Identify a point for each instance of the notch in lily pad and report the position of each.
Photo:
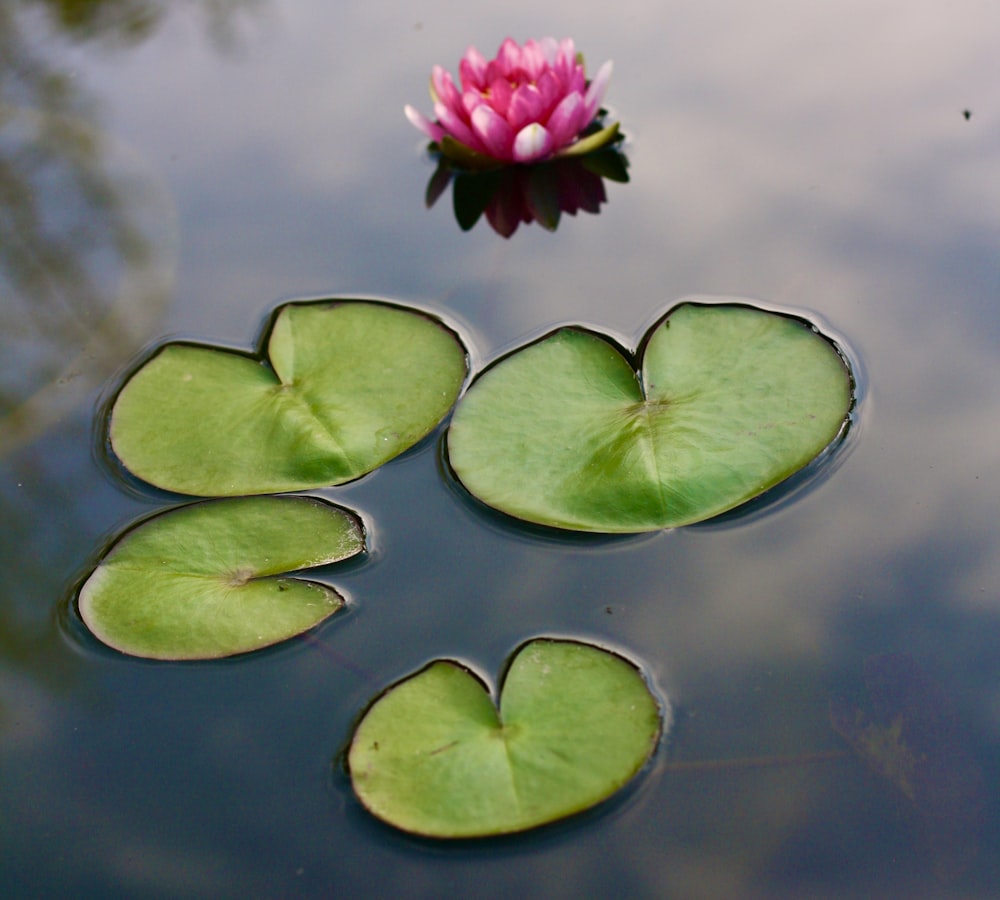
(435, 757)
(729, 400)
(344, 386)
(209, 579)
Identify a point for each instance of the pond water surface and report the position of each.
(178, 170)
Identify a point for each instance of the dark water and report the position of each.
(178, 171)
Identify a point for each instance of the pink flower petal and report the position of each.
(533, 142)
(418, 119)
(567, 119)
(500, 95)
(551, 90)
(454, 126)
(509, 58)
(527, 105)
(472, 69)
(470, 100)
(443, 88)
(492, 73)
(565, 62)
(550, 47)
(533, 60)
(493, 132)
(567, 51)
(595, 93)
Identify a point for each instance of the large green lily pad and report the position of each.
(208, 580)
(432, 756)
(729, 401)
(347, 386)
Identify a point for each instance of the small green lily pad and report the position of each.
(208, 580)
(432, 756)
(348, 386)
(729, 401)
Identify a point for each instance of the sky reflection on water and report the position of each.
(813, 158)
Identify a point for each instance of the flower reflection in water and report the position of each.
(539, 193)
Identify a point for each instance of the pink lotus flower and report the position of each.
(527, 105)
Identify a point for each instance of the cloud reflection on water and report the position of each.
(813, 157)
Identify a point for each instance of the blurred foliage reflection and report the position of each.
(87, 241)
(129, 22)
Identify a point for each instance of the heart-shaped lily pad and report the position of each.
(433, 757)
(207, 580)
(730, 400)
(348, 386)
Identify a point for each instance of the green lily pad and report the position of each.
(348, 386)
(207, 580)
(432, 756)
(729, 401)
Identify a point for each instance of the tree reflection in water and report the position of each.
(87, 237)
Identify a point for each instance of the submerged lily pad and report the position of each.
(208, 580)
(432, 756)
(912, 736)
(729, 401)
(348, 386)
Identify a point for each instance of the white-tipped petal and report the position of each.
(532, 143)
(595, 90)
(419, 120)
